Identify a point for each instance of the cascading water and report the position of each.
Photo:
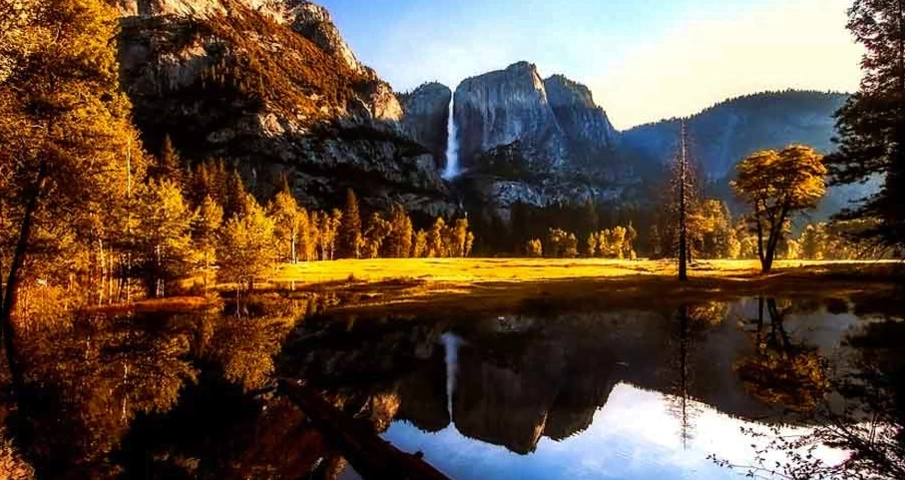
(451, 343)
(452, 143)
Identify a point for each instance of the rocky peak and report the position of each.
(237, 80)
(425, 117)
(505, 106)
(199, 8)
(564, 92)
(585, 123)
(314, 22)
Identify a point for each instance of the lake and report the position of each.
(780, 388)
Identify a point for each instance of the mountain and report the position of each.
(271, 87)
(523, 138)
(722, 135)
(426, 118)
(729, 131)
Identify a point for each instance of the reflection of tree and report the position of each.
(101, 391)
(865, 419)
(781, 372)
(690, 323)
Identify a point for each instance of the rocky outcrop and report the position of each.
(502, 107)
(526, 139)
(247, 88)
(586, 126)
(425, 118)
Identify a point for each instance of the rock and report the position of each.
(314, 22)
(272, 102)
(586, 125)
(499, 108)
(426, 117)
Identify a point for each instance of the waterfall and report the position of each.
(451, 343)
(452, 143)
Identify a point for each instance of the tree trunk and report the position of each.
(15, 277)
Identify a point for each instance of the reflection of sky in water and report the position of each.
(633, 437)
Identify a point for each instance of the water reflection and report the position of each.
(617, 394)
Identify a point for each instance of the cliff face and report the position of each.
(425, 118)
(586, 126)
(499, 108)
(526, 139)
(271, 87)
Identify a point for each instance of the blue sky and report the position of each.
(643, 59)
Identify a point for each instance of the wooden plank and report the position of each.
(371, 456)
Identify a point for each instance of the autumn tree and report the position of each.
(561, 244)
(65, 134)
(350, 239)
(375, 234)
(284, 210)
(163, 240)
(168, 166)
(419, 245)
(534, 248)
(871, 124)
(206, 224)
(777, 185)
(399, 242)
(247, 250)
(436, 247)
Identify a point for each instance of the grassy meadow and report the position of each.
(476, 284)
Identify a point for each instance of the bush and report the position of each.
(534, 248)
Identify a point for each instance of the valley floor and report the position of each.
(462, 286)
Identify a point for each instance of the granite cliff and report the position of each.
(271, 87)
(425, 118)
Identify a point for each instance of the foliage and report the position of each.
(350, 239)
(247, 250)
(777, 185)
(561, 244)
(871, 124)
(535, 249)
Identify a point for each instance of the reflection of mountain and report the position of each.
(523, 378)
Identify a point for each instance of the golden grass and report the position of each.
(463, 286)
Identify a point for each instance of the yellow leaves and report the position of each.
(793, 178)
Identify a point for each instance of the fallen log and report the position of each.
(370, 456)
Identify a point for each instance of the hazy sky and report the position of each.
(643, 59)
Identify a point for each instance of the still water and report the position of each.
(804, 388)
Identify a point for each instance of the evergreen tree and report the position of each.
(399, 242)
(350, 236)
(307, 236)
(235, 197)
(871, 125)
(168, 166)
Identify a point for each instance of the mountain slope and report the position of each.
(726, 133)
(729, 131)
(270, 86)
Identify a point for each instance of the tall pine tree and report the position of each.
(871, 125)
(350, 231)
